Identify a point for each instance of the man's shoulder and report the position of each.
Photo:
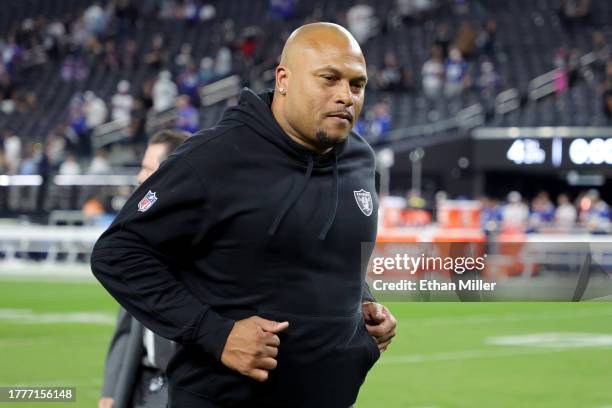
(206, 142)
(358, 146)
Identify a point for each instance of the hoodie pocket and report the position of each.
(322, 361)
(203, 376)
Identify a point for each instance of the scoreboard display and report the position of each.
(537, 153)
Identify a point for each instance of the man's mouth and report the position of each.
(341, 115)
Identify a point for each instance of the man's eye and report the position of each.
(329, 78)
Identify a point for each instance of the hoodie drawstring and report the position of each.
(292, 199)
(332, 215)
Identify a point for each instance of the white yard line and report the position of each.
(472, 355)
(508, 317)
(27, 316)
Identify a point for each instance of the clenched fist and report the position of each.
(252, 346)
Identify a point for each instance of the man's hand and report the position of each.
(252, 347)
(380, 323)
(106, 402)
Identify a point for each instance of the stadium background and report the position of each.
(489, 118)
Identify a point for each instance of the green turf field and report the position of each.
(443, 355)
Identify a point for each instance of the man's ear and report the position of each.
(282, 79)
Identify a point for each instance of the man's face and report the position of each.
(153, 157)
(325, 92)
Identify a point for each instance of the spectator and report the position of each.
(207, 71)
(515, 213)
(443, 39)
(381, 121)
(95, 110)
(70, 166)
(12, 151)
(284, 9)
(157, 56)
(187, 115)
(138, 126)
(466, 39)
(362, 22)
(375, 124)
(146, 93)
(188, 11)
(122, 103)
(56, 148)
(29, 163)
(415, 9)
(565, 215)
(207, 12)
(184, 58)
(99, 164)
(491, 214)
(432, 73)
(486, 38)
(488, 81)
(390, 76)
(542, 210)
(249, 43)
(78, 123)
(189, 83)
(223, 62)
(164, 92)
(94, 19)
(456, 74)
(601, 48)
(594, 212)
(93, 208)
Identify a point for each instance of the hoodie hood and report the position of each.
(253, 110)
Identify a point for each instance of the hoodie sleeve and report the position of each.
(136, 258)
(366, 294)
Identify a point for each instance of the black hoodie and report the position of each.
(242, 221)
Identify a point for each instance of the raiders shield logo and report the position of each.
(147, 201)
(364, 201)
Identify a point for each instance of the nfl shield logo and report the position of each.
(148, 200)
(364, 201)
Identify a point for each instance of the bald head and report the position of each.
(317, 36)
(320, 84)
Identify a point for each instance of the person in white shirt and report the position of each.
(95, 110)
(565, 215)
(122, 103)
(515, 214)
(164, 92)
(70, 166)
(433, 74)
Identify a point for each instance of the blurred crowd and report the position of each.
(462, 59)
(587, 211)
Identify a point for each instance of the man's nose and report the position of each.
(344, 95)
